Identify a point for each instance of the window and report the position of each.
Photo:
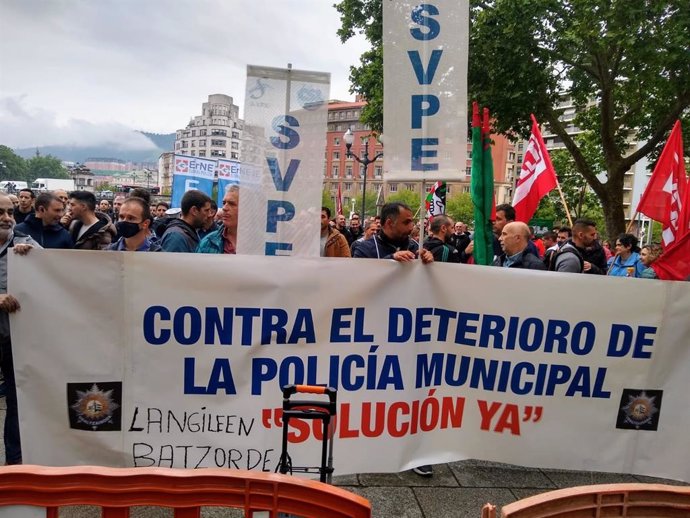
(202, 132)
(335, 171)
(235, 155)
(217, 152)
(348, 171)
(392, 187)
(202, 152)
(378, 171)
(347, 186)
(218, 142)
(519, 158)
(409, 186)
(193, 143)
(235, 145)
(202, 143)
(177, 145)
(235, 134)
(362, 170)
(336, 141)
(468, 172)
(336, 155)
(219, 132)
(520, 146)
(427, 188)
(193, 153)
(193, 133)
(184, 143)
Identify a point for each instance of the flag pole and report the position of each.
(629, 227)
(565, 205)
(422, 214)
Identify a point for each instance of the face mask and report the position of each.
(127, 229)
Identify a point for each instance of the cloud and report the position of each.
(94, 68)
(22, 126)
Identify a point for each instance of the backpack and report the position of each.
(567, 248)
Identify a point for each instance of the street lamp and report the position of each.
(349, 138)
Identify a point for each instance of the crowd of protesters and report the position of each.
(76, 221)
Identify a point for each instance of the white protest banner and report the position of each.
(181, 364)
(191, 172)
(425, 89)
(285, 135)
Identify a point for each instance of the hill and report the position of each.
(163, 142)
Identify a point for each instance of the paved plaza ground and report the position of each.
(457, 490)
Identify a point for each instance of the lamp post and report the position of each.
(349, 138)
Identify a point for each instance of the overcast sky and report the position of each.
(87, 72)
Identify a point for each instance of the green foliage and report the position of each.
(327, 201)
(582, 202)
(459, 207)
(410, 198)
(366, 17)
(371, 209)
(629, 57)
(13, 166)
(45, 167)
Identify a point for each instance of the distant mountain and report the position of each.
(163, 143)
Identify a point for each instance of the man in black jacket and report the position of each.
(393, 240)
(181, 233)
(44, 226)
(514, 239)
(438, 243)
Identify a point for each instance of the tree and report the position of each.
(371, 209)
(582, 202)
(410, 198)
(460, 208)
(624, 64)
(45, 167)
(12, 166)
(327, 201)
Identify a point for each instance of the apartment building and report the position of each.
(216, 133)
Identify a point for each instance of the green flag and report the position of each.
(482, 187)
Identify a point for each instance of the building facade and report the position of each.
(216, 133)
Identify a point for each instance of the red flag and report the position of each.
(339, 202)
(663, 198)
(674, 263)
(537, 176)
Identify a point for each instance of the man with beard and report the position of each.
(44, 225)
(571, 256)
(393, 240)
(89, 229)
(181, 233)
(438, 243)
(460, 238)
(21, 244)
(355, 228)
(333, 243)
